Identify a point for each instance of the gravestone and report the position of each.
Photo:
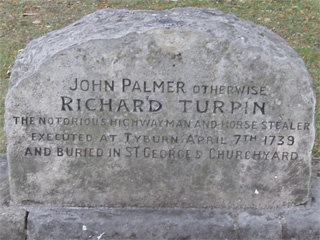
(183, 108)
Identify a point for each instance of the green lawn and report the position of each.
(298, 21)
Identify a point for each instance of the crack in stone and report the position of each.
(26, 225)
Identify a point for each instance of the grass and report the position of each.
(297, 21)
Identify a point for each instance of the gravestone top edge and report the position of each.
(105, 24)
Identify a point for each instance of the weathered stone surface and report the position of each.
(129, 224)
(304, 222)
(300, 222)
(259, 226)
(4, 181)
(179, 108)
(12, 223)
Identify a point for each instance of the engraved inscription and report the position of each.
(216, 145)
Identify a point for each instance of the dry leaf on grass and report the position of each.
(37, 21)
(30, 14)
(267, 20)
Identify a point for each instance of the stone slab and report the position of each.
(304, 223)
(64, 223)
(12, 223)
(188, 108)
(4, 181)
(130, 224)
(47, 224)
(12, 220)
(255, 225)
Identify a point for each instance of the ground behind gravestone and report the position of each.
(297, 21)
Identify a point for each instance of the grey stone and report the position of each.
(186, 108)
(315, 185)
(4, 181)
(259, 226)
(304, 222)
(12, 220)
(129, 224)
(12, 223)
(64, 223)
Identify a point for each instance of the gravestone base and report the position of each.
(12, 219)
(12, 223)
(47, 223)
